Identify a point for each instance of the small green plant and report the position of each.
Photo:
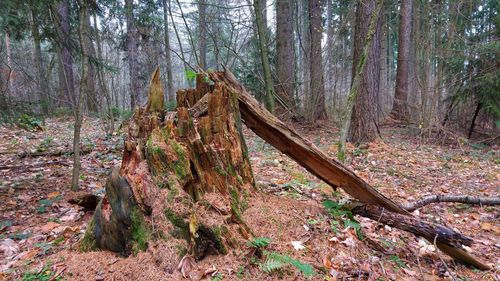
(339, 211)
(40, 275)
(276, 261)
(29, 122)
(259, 242)
(399, 263)
(43, 205)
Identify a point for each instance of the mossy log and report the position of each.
(181, 177)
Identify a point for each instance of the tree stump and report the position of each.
(181, 177)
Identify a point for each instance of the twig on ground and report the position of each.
(467, 199)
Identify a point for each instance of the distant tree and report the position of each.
(363, 120)
(260, 10)
(400, 107)
(202, 28)
(132, 54)
(285, 54)
(317, 83)
(168, 57)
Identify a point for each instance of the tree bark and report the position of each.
(285, 63)
(132, 54)
(168, 56)
(400, 107)
(259, 7)
(363, 120)
(317, 83)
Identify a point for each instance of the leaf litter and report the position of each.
(40, 230)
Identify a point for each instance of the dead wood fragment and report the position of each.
(34, 165)
(466, 199)
(446, 239)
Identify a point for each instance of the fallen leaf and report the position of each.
(49, 226)
(53, 194)
(9, 247)
(297, 245)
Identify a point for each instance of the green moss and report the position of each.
(88, 242)
(220, 171)
(172, 193)
(230, 170)
(235, 204)
(181, 166)
(139, 231)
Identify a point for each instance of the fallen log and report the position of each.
(446, 239)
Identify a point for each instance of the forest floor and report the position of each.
(40, 231)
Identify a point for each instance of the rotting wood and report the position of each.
(446, 239)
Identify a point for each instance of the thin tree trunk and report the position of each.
(82, 33)
(264, 58)
(400, 108)
(285, 65)
(360, 110)
(11, 90)
(473, 122)
(317, 83)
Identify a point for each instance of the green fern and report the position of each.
(276, 261)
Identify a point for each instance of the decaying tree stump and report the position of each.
(192, 172)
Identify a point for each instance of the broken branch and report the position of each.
(466, 199)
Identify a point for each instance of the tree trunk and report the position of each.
(42, 84)
(363, 120)
(132, 53)
(285, 52)
(202, 41)
(168, 57)
(317, 83)
(83, 32)
(260, 10)
(400, 107)
(188, 178)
